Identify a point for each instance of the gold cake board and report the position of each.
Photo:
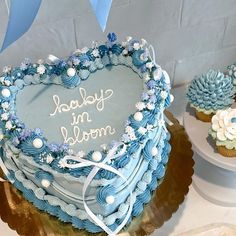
(27, 220)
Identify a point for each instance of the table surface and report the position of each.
(195, 211)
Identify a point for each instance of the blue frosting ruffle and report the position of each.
(70, 82)
(104, 192)
(147, 150)
(40, 175)
(103, 49)
(122, 161)
(136, 58)
(137, 208)
(116, 49)
(28, 148)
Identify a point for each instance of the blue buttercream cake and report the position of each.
(84, 138)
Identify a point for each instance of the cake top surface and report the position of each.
(130, 67)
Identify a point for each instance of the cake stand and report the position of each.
(23, 217)
(215, 175)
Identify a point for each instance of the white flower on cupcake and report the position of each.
(224, 124)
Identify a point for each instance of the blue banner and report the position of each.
(22, 14)
(101, 9)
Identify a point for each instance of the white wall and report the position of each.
(190, 36)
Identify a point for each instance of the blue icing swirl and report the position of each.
(136, 124)
(134, 146)
(136, 58)
(165, 153)
(122, 161)
(147, 150)
(17, 73)
(106, 60)
(145, 197)
(160, 171)
(53, 210)
(29, 194)
(28, 148)
(211, 91)
(39, 204)
(19, 83)
(77, 223)
(116, 49)
(103, 49)
(167, 101)
(70, 82)
(153, 164)
(63, 216)
(84, 74)
(106, 174)
(40, 175)
(113, 226)
(91, 227)
(153, 185)
(137, 208)
(90, 55)
(31, 70)
(104, 192)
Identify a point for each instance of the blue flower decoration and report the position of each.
(211, 91)
(112, 37)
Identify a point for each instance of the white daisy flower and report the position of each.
(140, 106)
(9, 125)
(41, 69)
(4, 116)
(142, 130)
(5, 105)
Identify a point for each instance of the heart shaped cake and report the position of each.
(84, 138)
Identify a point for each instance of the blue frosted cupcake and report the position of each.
(210, 92)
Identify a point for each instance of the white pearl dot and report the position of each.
(138, 116)
(6, 93)
(71, 72)
(45, 183)
(38, 143)
(154, 151)
(110, 199)
(97, 156)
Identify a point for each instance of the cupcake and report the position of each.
(210, 92)
(223, 131)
